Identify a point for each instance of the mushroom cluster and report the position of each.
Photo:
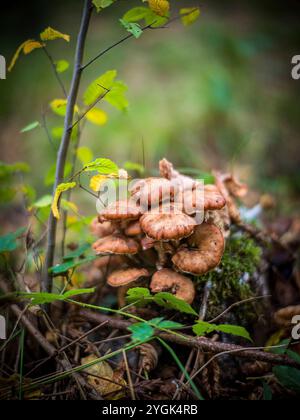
(151, 235)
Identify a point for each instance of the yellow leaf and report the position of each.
(102, 378)
(49, 34)
(26, 47)
(97, 116)
(59, 190)
(32, 45)
(189, 15)
(59, 107)
(96, 181)
(160, 7)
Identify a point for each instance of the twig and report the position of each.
(65, 142)
(48, 55)
(204, 344)
(129, 376)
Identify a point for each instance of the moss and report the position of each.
(230, 282)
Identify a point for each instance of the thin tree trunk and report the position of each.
(65, 142)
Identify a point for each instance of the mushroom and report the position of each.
(167, 226)
(206, 248)
(153, 191)
(133, 229)
(233, 210)
(201, 199)
(121, 210)
(168, 280)
(126, 276)
(178, 180)
(116, 244)
(101, 229)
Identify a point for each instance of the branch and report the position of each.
(48, 55)
(199, 343)
(65, 142)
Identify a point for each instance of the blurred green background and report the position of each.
(218, 94)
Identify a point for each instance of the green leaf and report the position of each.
(117, 96)
(162, 323)
(141, 331)
(102, 166)
(30, 127)
(77, 252)
(84, 154)
(169, 301)
(62, 66)
(99, 87)
(57, 132)
(9, 242)
(102, 4)
(136, 14)
(189, 15)
(137, 294)
(71, 264)
(268, 396)
(133, 28)
(43, 298)
(43, 202)
(6, 169)
(288, 377)
(156, 21)
(203, 328)
(50, 176)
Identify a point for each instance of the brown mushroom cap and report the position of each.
(102, 229)
(121, 210)
(153, 191)
(168, 280)
(126, 276)
(196, 200)
(133, 229)
(180, 182)
(167, 226)
(234, 186)
(208, 243)
(116, 244)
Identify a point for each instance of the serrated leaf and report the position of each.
(63, 268)
(84, 154)
(189, 15)
(288, 377)
(141, 331)
(136, 14)
(169, 301)
(27, 47)
(202, 328)
(9, 242)
(102, 4)
(99, 87)
(59, 190)
(162, 323)
(137, 294)
(43, 298)
(62, 66)
(117, 96)
(50, 34)
(133, 28)
(97, 116)
(103, 166)
(30, 127)
(160, 7)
